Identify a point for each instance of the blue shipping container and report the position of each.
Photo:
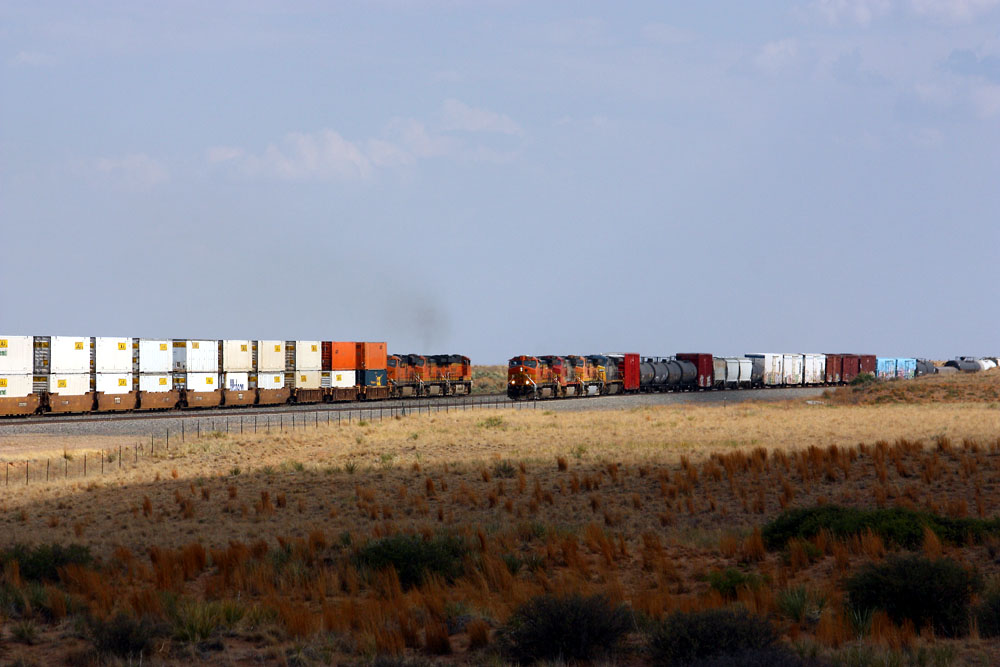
(906, 368)
(373, 378)
(885, 368)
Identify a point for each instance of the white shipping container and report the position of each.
(17, 355)
(338, 379)
(155, 356)
(814, 368)
(236, 381)
(202, 382)
(772, 366)
(156, 383)
(304, 379)
(113, 383)
(732, 370)
(237, 356)
(112, 355)
(746, 371)
(69, 354)
(15, 386)
(271, 355)
(272, 380)
(70, 384)
(196, 356)
(792, 368)
(308, 355)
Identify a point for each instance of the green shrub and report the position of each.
(863, 380)
(573, 627)
(987, 613)
(123, 635)
(915, 588)
(897, 525)
(42, 562)
(197, 621)
(730, 580)
(413, 557)
(686, 637)
(24, 631)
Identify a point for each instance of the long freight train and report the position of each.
(66, 374)
(531, 377)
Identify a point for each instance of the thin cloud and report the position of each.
(33, 59)
(662, 33)
(137, 171)
(862, 12)
(953, 10)
(774, 56)
(458, 116)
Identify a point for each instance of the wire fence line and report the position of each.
(95, 462)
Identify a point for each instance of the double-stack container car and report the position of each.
(17, 395)
(236, 363)
(114, 378)
(153, 365)
(196, 372)
(304, 369)
(269, 372)
(340, 370)
(64, 367)
(372, 365)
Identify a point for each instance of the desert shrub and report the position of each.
(730, 580)
(413, 557)
(863, 380)
(987, 613)
(686, 637)
(42, 562)
(915, 588)
(572, 627)
(196, 621)
(123, 635)
(24, 631)
(900, 526)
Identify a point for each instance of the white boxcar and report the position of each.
(196, 356)
(304, 379)
(813, 368)
(732, 371)
(70, 384)
(773, 367)
(236, 381)
(155, 382)
(270, 355)
(113, 383)
(303, 355)
(746, 372)
(155, 356)
(70, 354)
(15, 386)
(792, 367)
(271, 380)
(112, 355)
(332, 379)
(237, 356)
(202, 381)
(17, 355)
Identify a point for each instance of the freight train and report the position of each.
(66, 374)
(531, 377)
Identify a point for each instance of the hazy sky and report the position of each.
(497, 178)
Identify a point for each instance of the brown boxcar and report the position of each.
(850, 367)
(867, 363)
(706, 367)
(834, 368)
(340, 356)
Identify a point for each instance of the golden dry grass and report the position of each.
(928, 390)
(636, 504)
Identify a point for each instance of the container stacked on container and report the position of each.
(113, 373)
(236, 362)
(196, 372)
(269, 372)
(340, 370)
(152, 363)
(65, 365)
(303, 369)
(372, 364)
(17, 396)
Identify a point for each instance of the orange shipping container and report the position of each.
(339, 356)
(371, 356)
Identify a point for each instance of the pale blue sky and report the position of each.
(497, 178)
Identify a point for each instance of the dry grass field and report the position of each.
(416, 539)
(489, 379)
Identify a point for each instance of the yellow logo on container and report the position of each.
(243, 348)
(194, 345)
(339, 377)
(209, 380)
(3, 342)
(61, 384)
(121, 346)
(277, 348)
(163, 381)
(163, 346)
(277, 379)
(3, 382)
(122, 382)
(78, 345)
(302, 378)
(314, 348)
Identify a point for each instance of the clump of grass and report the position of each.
(685, 638)
(728, 582)
(123, 635)
(42, 562)
(504, 469)
(493, 422)
(935, 593)
(572, 627)
(414, 557)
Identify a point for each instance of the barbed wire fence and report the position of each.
(93, 463)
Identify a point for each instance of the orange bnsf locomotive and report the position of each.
(429, 375)
(555, 377)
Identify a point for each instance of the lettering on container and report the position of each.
(3, 343)
(209, 380)
(61, 384)
(163, 347)
(163, 381)
(3, 382)
(78, 345)
(122, 382)
(243, 348)
(121, 346)
(3, 392)
(277, 348)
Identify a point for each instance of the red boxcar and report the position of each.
(630, 372)
(705, 365)
(834, 368)
(867, 363)
(850, 367)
